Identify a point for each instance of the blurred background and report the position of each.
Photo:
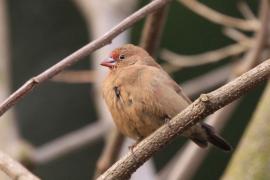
(43, 32)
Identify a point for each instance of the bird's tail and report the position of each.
(215, 139)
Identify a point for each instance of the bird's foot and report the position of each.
(167, 121)
(131, 148)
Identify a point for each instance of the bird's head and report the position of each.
(127, 55)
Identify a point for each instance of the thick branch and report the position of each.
(79, 54)
(198, 110)
(218, 18)
(189, 160)
(14, 169)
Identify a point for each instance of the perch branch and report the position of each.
(79, 54)
(198, 110)
(189, 160)
(183, 61)
(218, 18)
(14, 169)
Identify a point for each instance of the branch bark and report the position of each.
(14, 169)
(79, 54)
(198, 110)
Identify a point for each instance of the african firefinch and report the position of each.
(141, 97)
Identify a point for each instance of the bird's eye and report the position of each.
(122, 57)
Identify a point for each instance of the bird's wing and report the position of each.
(159, 94)
(170, 82)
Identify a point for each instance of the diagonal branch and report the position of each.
(79, 54)
(187, 162)
(198, 110)
(218, 18)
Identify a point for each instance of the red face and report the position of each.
(111, 61)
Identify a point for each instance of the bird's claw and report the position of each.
(167, 121)
(131, 148)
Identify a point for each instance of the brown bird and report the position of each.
(141, 97)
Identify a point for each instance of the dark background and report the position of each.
(43, 32)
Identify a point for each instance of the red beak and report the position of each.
(109, 62)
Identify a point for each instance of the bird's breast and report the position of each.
(129, 110)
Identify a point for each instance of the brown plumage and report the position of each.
(141, 97)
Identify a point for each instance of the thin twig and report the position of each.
(260, 40)
(198, 110)
(152, 31)
(110, 152)
(237, 35)
(79, 54)
(218, 18)
(246, 10)
(14, 169)
(74, 140)
(80, 76)
(209, 57)
(10, 140)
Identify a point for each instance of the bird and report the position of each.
(141, 97)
